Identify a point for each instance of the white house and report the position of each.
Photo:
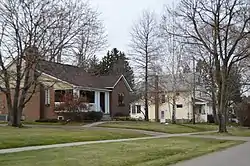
(183, 102)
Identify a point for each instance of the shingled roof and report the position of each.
(76, 76)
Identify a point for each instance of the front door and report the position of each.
(102, 101)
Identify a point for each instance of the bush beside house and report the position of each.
(76, 109)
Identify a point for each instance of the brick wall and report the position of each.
(115, 108)
(34, 106)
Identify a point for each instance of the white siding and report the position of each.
(185, 112)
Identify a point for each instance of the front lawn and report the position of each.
(49, 123)
(20, 137)
(170, 128)
(232, 132)
(154, 152)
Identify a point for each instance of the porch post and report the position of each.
(97, 101)
(76, 92)
(107, 103)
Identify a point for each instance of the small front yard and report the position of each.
(13, 137)
(170, 128)
(154, 152)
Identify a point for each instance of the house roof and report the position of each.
(77, 76)
(181, 82)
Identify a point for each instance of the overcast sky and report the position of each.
(118, 17)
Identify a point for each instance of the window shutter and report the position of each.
(47, 96)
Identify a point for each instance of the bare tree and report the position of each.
(205, 68)
(28, 34)
(90, 40)
(174, 54)
(145, 49)
(79, 37)
(227, 42)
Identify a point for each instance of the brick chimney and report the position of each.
(31, 54)
(31, 57)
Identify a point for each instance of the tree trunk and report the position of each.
(222, 103)
(174, 111)
(156, 98)
(10, 110)
(146, 108)
(146, 86)
(213, 90)
(214, 108)
(193, 112)
(146, 95)
(16, 117)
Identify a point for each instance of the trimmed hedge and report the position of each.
(125, 118)
(120, 114)
(96, 116)
(83, 116)
(47, 120)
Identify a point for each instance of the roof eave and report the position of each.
(126, 82)
(92, 88)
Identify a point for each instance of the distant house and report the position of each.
(109, 94)
(183, 91)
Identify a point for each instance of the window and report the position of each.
(163, 99)
(121, 99)
(88, 95)
(60, 118)
(138, 109)
(179, 106)
(47, 97)
(133, 109)
(60, 94)
(201, 110)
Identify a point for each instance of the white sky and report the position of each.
(119, 15)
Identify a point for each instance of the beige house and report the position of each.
(183, 103)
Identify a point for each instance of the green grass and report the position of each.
(20, 137)
(232, 132)
(170, 128)
(48, 123)
(154, 152)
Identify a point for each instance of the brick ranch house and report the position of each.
(109, 94)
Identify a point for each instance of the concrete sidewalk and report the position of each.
(150, 133)
(94, 124)
(235, 156)
(233, 138)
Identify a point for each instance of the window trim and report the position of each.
(133, 109)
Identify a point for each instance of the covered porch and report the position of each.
(201, 108)
(96, 100)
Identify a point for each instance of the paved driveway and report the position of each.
(235, 156)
